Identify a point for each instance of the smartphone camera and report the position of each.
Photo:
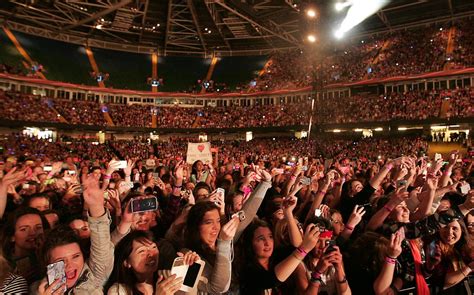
(144, 204)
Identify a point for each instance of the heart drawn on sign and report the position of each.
(201, 147)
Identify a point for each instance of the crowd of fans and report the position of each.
(269, 216)
(19, 107)
(412, 105)
(399, 53)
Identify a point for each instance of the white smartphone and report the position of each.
(190, 273)
(48, 168)
(464, 189)
(221, 193)
(122, 165)
(56, 271)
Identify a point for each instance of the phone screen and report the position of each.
(142, 205)
(191, 274)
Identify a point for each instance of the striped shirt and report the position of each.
(14, 284)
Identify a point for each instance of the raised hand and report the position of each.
(289, 204)
(311, 237)
(395, 247)
(168, 286)
(227, 232)
(93, 196)
(356, 216)
(189, 258)
(113, 166)
(432, 182)
(128, 170)
(453, 157)
(13, 177)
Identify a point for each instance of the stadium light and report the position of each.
(311, 38)
(311, 13)
(339, 34)
(359, 10)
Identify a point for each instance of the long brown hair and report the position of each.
(193, 239)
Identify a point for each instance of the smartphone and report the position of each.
(71, 172)
(402, 182)
(305, 180)
(464, 189)
(279, 170)
(437, 157)
(221, 193)
(241, 215)
(317, 213)
(156, 175)
(48, 168)
(143, 204)
(25, 186)
(56, 271)
(304, 168)
(190, 273)
(330, 246)
(106, 195)
(122, 165)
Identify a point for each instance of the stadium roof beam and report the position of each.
(196, 23)
(217, 21)
(383, 18)
(99, 14)
(168, 21)
(181, 29)
(286, 37)
(450, 5)
(145, 11)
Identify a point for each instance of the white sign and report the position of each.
(199, 151)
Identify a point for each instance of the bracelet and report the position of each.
(296, 256)
(344, 280)
(390, 260)
(323, 192)
(349, 227)
(389, 166)
(107, 176)
(388, 208)
(316, 280)
(316, 275)
(293, 177)
(302, 251)
(447, 173)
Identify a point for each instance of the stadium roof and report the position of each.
(204, 27)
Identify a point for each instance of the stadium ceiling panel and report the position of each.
(205, 27)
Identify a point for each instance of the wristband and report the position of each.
(293, 177)
(316, 280)
(388, 208)
(107, 176)
(302, 251)
(389, 166)
(323, 192)
(344, 280)
(296, 256)
(447, 173)
(390, 260)
(316, 275)
(349, 227)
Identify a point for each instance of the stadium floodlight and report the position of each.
(311, 38)
(339, 6)
(359, 10)
(339, 34)
(311, 13)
